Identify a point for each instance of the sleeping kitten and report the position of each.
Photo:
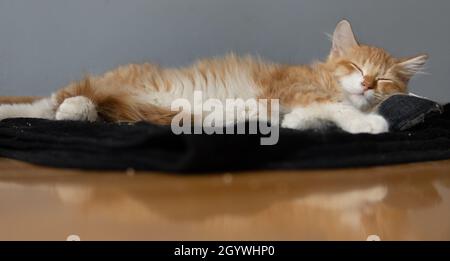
(344, 89)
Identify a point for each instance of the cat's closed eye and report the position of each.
(357, 68)
(384, 80)
(377, 80)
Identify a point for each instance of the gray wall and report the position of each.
(44, 44)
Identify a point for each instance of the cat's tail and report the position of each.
(117, 108)
(43, 108)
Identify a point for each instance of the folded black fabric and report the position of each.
(143, 146)
(406, 111)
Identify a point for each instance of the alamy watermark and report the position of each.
(214, 116)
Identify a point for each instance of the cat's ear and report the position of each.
(343, 39)
(412, 65)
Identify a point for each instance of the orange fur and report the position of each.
(378, 63)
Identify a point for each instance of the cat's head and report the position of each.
(369, 74)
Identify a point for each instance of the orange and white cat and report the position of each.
(343, 89)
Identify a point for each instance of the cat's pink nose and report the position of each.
(368, 83)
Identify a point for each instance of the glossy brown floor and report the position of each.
(405, 202)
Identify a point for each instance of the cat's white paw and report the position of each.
(227, 117)
(373, 124)
(291, 121)
(77, 108)
(3, 112)
(378, 124)
(299, 120)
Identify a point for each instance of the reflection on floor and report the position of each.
(405, 202)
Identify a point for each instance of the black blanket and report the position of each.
(143, 146)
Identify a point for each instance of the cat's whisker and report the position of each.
(378, 96)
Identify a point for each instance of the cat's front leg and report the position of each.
(344, 116)
(354, 121)
(303, 118)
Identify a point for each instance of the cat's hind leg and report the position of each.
(43, 109)
(77, 102)
(78, 108)
(94, 99)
